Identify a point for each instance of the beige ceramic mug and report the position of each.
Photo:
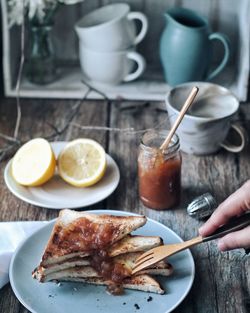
(205, 127)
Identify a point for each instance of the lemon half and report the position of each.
(34, 163)
(82, 162)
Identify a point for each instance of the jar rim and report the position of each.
(173, 147)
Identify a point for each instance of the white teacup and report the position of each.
(111, 68)
(111, 28)
(205, 127)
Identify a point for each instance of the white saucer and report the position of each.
(57, 194)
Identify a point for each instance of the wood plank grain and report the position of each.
(215, 272)
(222, 281)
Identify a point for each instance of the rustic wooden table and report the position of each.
(222, 280)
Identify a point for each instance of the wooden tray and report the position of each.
(230, 17)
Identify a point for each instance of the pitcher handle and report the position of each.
(243, 138)
(225, 42)
(144, 22)
(141, 65)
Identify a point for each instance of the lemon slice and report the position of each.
(82, 162)
(34, 163)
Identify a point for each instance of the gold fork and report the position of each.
(157, 254)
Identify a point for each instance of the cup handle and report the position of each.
(141, 65)
(144, 28)
(225, 42)
(243, 136)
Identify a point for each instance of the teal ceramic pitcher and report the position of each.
(186, 47)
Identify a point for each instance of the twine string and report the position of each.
(19, 77)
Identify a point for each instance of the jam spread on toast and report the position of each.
(95, 239)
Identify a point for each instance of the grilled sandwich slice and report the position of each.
(134, 244)
(77, 233)
(99, 249)
(141, 282)
(40, 272)
(88, 271)
(126, 245)
(126, 260)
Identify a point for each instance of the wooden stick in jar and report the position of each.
(183, 111)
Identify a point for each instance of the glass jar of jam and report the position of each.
(159, 171)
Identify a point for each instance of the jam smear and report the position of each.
(113, 271)
(94, 238)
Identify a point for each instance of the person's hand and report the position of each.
(235, 205)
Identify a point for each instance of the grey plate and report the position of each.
(78, 298)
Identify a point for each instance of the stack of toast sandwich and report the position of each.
(99, 249)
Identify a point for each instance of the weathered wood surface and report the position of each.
(222, 282)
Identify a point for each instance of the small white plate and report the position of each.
(57, 194)
(79, 297)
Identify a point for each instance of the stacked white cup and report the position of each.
(107, 42)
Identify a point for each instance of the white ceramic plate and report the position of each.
(57, 194)
(78, 298)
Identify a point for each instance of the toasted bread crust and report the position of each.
(125, 245)
(134, 244)
(141, 282)
(81, 267)
(99, 249)
(67, 236)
